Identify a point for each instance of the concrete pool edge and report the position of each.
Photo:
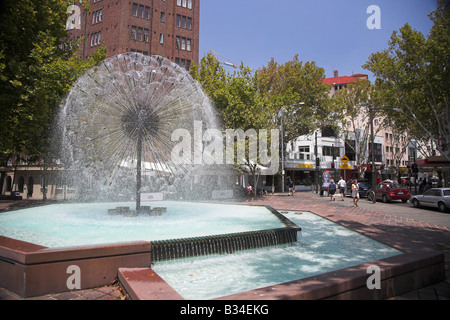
(30, 270)
(399, 274)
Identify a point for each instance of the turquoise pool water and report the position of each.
(323, 247)
(65, 225)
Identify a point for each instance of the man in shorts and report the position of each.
(342, 185)
(332, 190)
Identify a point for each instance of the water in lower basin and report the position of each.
(323, 247)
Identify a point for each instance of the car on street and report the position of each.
(388, 191)
(434, 197)
(364, 186)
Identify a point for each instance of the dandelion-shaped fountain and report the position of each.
(122, 113)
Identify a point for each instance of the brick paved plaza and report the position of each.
(395, 227)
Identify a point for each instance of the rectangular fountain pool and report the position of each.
(323, 247)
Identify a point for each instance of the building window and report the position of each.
(183, 43)
(350, 147)
(161, 38)
(330, 151)
(189, 23)
(378, 152)
(328, 132)
(185, 3)
(184, 22)
(96, 38)
(303, 149)
(163, 17)
(188, 44)
(186, 64)
(140, 11)
(97, 16)
(140, 34)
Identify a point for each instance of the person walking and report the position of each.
(249, 192)
(342, 185)
(291, 187)
(332, 190)
(355, 192)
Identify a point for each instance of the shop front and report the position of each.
(436, 170)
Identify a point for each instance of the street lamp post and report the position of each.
(282, 150)
(372, 139)
(317, 164)
(282, 142)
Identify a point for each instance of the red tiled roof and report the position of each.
(339, 80)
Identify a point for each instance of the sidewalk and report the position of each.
(420, 232)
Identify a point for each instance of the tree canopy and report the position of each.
(413, 75)
(38, 64)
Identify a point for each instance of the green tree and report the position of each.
(355, 127)
(296, 87)
(38, 64)
(248, 100)
(413, 74)
(213, 80)
(238, 102)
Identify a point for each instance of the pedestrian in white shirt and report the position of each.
(342, 185)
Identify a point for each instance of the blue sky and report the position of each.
(331, 33)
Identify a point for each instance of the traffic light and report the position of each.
(317, 162)
(415, 168)
(332, 165)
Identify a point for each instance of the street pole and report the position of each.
(414, 172)
(282, 150)
(373, 145)
(139, 174)
(282, 143)
(317, 167)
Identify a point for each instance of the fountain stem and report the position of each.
(138, 173)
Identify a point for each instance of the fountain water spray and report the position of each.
(122, 113)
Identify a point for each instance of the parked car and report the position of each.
(364, 187)
(390, 191)
(434, 197)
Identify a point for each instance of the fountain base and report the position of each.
(144, 210)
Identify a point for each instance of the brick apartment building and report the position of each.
(169, 28)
